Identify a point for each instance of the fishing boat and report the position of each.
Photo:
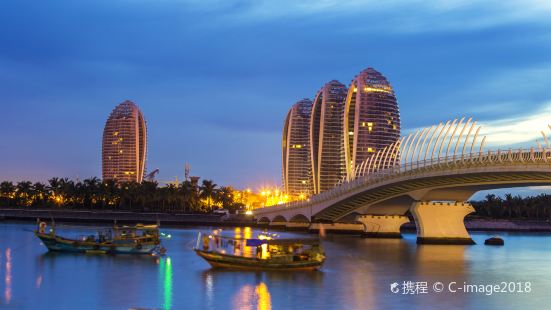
(138, 239)
(264, 253)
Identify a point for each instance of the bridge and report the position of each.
(429, 174)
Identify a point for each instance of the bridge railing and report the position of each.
(491, 158)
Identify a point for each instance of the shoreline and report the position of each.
(174, 220)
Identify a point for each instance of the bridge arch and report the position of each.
(264, 220)
(299, 218)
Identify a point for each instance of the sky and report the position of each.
(215, 78)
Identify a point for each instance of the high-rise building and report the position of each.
(371, 117)
(124, 146)
(327, 136)
(297, 176)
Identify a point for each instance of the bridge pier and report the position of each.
(382, 226)
(441, 223)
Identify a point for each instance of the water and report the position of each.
(357, 275)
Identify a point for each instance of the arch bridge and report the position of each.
(431, 173)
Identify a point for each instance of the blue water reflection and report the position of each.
(357, 275)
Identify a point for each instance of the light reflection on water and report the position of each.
(7, 277)
(357, 275)
(165, 273)
(252, 297)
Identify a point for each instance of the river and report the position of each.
(358, 274)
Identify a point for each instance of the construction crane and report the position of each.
(151, 176)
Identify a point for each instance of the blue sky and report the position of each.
(216, 78)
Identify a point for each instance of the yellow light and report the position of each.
(368, 89)
(249, 212)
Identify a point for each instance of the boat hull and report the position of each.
(218, 260)
(59, 244)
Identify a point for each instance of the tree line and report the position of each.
(187, 197)
(514, 207)
(94, 193)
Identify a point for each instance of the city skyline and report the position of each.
(194, 85)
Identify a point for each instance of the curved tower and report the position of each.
(124, 146)
(371, 118)
(326, 136)
(297, 178)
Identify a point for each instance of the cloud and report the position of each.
(522, 130)
(395, 16)
(513, 132)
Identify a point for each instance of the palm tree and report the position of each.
(189, 196)
(24, 193)
(146, 193)
(91, 188)
(207, 192)
(40, 194)
(111, 193)
(7, 192)
(225, 196)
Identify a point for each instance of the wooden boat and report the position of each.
(139, 239)
(260, 254)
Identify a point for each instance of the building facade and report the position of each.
(327, 136)
(297, 176)
(124, 145)
(371, 118)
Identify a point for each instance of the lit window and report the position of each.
(370, 150)
(350, 133)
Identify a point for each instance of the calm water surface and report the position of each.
(357, 275)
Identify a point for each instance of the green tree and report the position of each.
(7, 193)
(207, 192)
